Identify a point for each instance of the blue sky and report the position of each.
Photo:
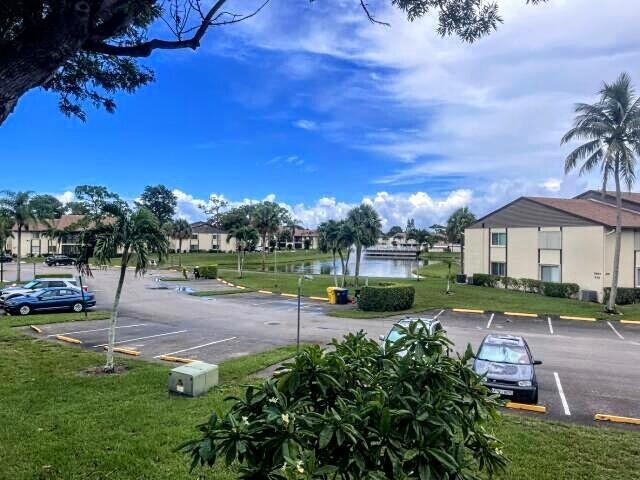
(311, 105)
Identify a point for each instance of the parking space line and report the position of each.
(96, 330)
(565, 405)
(614, 330)
(438, 314)
(195, 348)
(490, 320)
(143, 338)
(550, 326)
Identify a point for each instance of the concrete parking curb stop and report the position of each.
(169, 358)
(630, 322)
(320, 298)
(520, 314)
(35, 329)
(125, 351)
(265, 291)
(64, 338)
(616, 419)
(288, 295)
(586, 319)
(467, 310)
(527, 407)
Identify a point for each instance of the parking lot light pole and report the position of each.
(300, 279)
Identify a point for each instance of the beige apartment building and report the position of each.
(557, 240)
(205, 238)
(36, 240)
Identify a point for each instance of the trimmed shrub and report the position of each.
(562, 290)
(531, 285)
(54, 275)
(209, 271)
(624, 296)
(386, 297)
(484, 280)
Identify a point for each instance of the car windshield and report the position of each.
(31, 284)
(504, 354)
(396, 334)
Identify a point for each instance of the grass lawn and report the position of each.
(430, 294)
(57, 423)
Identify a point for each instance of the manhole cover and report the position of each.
(272, 323)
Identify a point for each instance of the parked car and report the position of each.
(59, 260)
(50, 299)
(4, 258)
(509, 367)
(396, 333)
(34, 285)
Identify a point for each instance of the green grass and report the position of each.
(58, 423)
(430, 294)
(19, 321)
(440, 256)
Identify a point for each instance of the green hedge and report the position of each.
(209, 271)
(529, 285)
(624, 296)
(386, 297)
(484, 280)
(54, 275)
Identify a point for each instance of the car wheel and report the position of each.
(77, 307)
(25, 310)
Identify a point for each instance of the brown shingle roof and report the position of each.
(61, 223)
(598, 212)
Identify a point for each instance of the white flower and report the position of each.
(245, 420)
(273, 400)
(299, 466)
(498, 451)
(285, 418)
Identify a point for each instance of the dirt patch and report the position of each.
(99, 371)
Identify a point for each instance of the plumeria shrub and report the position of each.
(408, 411)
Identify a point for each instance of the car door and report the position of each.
(46, 300)
(65, 298)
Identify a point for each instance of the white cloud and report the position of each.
(66, 197)
(305, 124)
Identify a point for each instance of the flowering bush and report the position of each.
(361, 412)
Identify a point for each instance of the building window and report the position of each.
(498, 239)
(194, 236)
(550, 273)
(550, 240)
(499, 269)
(35, 234)
(193, 248)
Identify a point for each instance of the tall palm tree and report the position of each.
(181, 230)
(366, 225)
(245, 236)
(458, 222)
(6, 227)
(136, 233)
(267, 218)
(611, 128)
(17, 206)
(328, 241)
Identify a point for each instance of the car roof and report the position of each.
(55, 279)
(494, 339)
(426, 320)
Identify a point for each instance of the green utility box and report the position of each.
(193, 379)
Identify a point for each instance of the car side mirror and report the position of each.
(381, 338)
(537, 362)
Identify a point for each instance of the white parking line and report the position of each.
(439, 313)
(565, 405)
(490, 320)
(550, 326)
(196, 347)
(143, 338)
(96, 330)
(615, 331)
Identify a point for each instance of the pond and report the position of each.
(369, 267)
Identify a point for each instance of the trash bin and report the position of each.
(331, 294)
(342, 296)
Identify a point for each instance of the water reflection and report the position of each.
(369, 267)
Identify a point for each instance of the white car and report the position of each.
(433, 325)
(33, 285)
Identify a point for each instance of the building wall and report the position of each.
(583, 256)
(628, 258)
(476, 259)
(522, 252)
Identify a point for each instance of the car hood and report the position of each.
(503, 371)
(20, 290)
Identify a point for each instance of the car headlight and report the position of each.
(524, 383)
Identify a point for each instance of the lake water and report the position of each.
(369, 267)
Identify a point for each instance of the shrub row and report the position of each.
(530, 285)
(624, 296)
(209, 271)
(54, 275)
(386, 297)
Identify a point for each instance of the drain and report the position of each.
(272, 323)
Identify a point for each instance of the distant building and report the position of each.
(558, 240)
(36, 242)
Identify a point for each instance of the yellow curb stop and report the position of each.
(520, 314)
(67, 339)
(467, 310)
(320, 298)
(126, 351)
(169, 358)
(35, 329)
(616, 419)
(586, 319)
(631, 322)
(288, 295)
(241, 287)
(527, 407)
(264, 291)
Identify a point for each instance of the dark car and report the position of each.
(4, 258)
(59, 260)
(50, 299)
(509, 367)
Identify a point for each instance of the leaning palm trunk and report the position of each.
(611, 307)
(335, 273)
(358, 254)
(344, 262)
(19, 253)
(239, 250)
(110, 366)
(264, 252)
(180, 252)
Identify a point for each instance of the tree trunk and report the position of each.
(19, 253)
(264, 252)
(110, 366)
(611, 307)
(179, 252)
(244, 251)
(335, 274)
(344, 268)
(239, 264)
(358, 254)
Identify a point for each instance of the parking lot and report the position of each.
(588, 367)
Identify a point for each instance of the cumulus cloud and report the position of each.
(305, 124)
(66, 197)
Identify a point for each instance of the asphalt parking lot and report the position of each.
(588, 367)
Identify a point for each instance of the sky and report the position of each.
(312, 106)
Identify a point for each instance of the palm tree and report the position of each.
(136, 233)
(366, 225)
(17, 206)
(611, 128)
(245, 235)
(267, 218)
(292, 225)
(328, 235)
(422, 237)
(344, 241)
(458, 222)
(181, 230)
(6, 227)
